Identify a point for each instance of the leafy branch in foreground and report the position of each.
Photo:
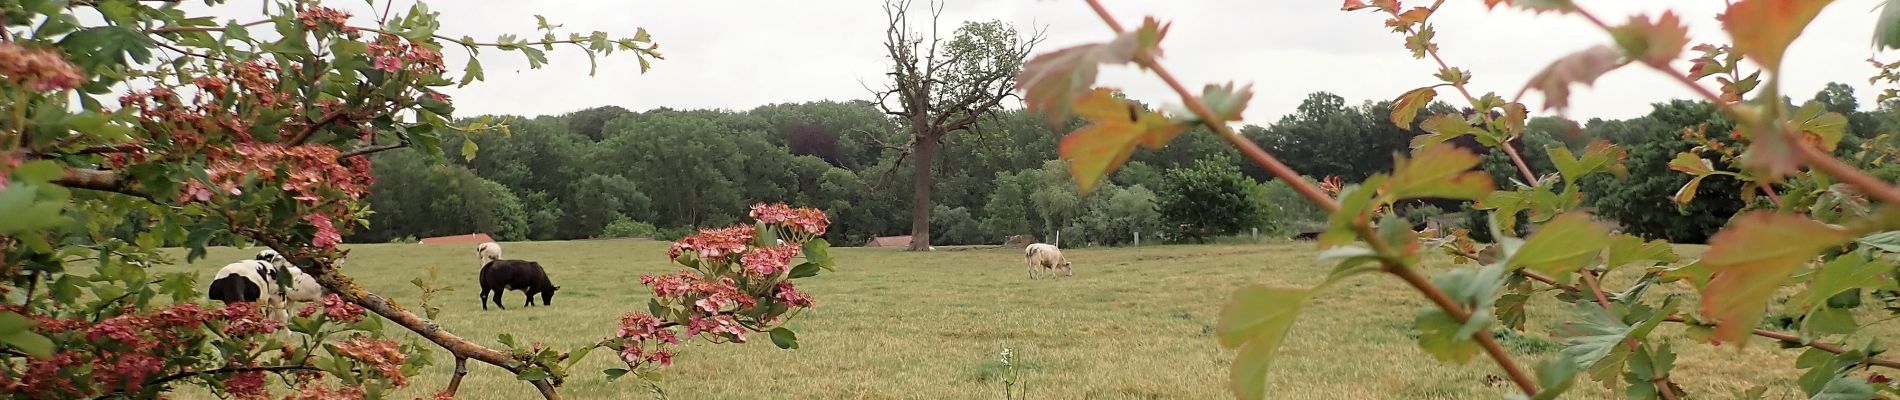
(1825, 228)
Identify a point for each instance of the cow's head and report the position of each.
(547, 297)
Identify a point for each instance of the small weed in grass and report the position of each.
(1524, 344)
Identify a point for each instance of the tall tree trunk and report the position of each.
(921, 182)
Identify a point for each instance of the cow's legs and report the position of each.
(1032, 270)
(527, 299)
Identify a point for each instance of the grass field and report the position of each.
(1133, 323)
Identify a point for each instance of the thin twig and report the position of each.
(232, 370)
(1252, 151)
(311, 129)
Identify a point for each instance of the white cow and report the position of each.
(1046, 256)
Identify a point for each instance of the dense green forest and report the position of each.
(610, 172)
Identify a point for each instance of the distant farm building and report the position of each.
(888, 241)
(472, 238)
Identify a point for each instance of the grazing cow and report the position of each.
(486, 252)
(1046, 256)
(250, 281)
(500, 276)
(303, 287)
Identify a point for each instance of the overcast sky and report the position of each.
(743, 54)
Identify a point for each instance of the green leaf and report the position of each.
(471, 73)
(108, 46)
(804, 270)
(1592, 335)
(818, 251)
(1626, 249)
(26, 212)
(1442, 171)
(1439, 336)
(14, 331)
(38, 171)
(533, 374)
(1888, 241)
(66, 289)
(506, 340)
(1887, 28)
(1554, 377)
(1563, 245)
(784, 338)
(1845, 388)
(1442, 127)
(578, 354)
(1227, 101)
(1505, 205)
(1849, 271)
(468, 149)
(1750, 259)
(1405, 108)
(1511, 310)
(1354, 202)
(1814, 119)
(1763, 29)
(1257, 321)
(1350, 260)
(614, 373)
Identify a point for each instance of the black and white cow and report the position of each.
(527, 276)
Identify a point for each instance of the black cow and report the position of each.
(527, 276)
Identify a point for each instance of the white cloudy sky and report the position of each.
(742, 54)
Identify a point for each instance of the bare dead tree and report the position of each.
(940, 86)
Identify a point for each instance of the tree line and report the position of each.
(611, 172)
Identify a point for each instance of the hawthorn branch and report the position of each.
(307, 131)
(100, 180)
(1779, 336)
(367, 150)
(461, 369)
(229, 370)
(1361, 225)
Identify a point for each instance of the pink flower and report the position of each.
(247, 385)
(638, 326)
(791, 296)
(336, 309)
(388, 63)
(766, 262)
(327, 237)
(723, 324)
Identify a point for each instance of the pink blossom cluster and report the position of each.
(38, 70)
(315, 18)
(130, 349)
(381, 355)
(802, 219)
(334, 308)
(766, 262)
(714, 244)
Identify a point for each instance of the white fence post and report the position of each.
(1137, 238)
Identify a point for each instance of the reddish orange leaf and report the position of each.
(1750, 259)
(1763, 29)
(1406, 19)
(1117, 127)
(1406, 107)
(1655, 43)
(1581, 67)
(1490, 4)
(1354, 5)
(1053, 81)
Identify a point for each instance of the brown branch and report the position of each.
(346, 288)
(230, 370)
(117, 148)
(461, 369)
(304, 135)
(367, 150)
(100, 180)
(1872, 186)
(171, 29)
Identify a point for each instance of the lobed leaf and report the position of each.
(1441, 171)
(1655, 43)
(1626, 249)
(1442, 128)
(1438, 336)
(1763, 29)
(1563, 245)
(1750, 259)
(1582, 67)
(1228, 102)
(1888, 241)
(1100, 148)
(1406, 107)
(1355, 202)
(1819, 126)
(1849, 271)
(1257, 321)
(1887, 28)
(1052, 83)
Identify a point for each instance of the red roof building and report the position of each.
(472, 238)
